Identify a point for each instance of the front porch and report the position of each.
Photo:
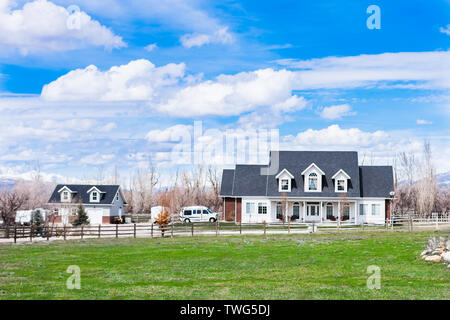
(314, 211)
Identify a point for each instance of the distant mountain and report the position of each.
(443, 179)
(6, 183)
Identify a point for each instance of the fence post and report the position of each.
(48, 233)
(192, 229)
(437, 223)
(240, 227)
(117, 230)
(151, 230)
(289, 225)
(15, 233)
(23, 231)
(264, 227)
(64, 232)
(339, 224)
(410, 224)
(217, 228)
(82, 229)
(387, 224)
(99, 231)
(31, 233)
(171, 231)
(135, 230)
(362, 225)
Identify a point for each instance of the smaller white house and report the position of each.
(103, 203)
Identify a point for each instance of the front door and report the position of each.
(312, 212)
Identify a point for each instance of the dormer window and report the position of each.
(94, 194)
(284, 181)
(341, 179)
(66, 194)
(313, 178)
(312, 183)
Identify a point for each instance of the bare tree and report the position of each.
(442, 202)
(10, 202)
(142, 189)
(427, 186)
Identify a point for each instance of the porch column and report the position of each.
(339, 210)
(286, 209)
(304, 211)
(321, 211)
(356, 213)
(235, 210)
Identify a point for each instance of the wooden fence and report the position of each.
(135, 230)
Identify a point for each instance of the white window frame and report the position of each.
(284, 175)
(263, 206)
(344, 185)
(287, 185)
(377, 210)
(313, 168)
(316, 177)
(327, 206)
(363, 209)
(249, 207)
(341, 175)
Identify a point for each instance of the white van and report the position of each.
(197, 214)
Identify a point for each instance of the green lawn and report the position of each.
(318, 266)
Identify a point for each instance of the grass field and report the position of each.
(317, 266)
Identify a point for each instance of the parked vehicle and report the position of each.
(197, 214)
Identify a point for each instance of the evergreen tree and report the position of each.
(38, 222)
(82, 217)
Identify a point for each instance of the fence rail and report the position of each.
(47, 232)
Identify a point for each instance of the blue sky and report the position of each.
(311, 69)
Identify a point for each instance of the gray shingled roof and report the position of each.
(81, 192)
(376, 181)
(246, 180)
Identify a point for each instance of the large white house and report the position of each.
(308, 186)
(103, 203)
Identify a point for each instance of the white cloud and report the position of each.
(413, 69)
(221, 36)
(150, 47)
(42, 26)
(336, 112)
(445, 30)
(168, 90)
(421, 121)
(185, 15)
(97, 158)
(170, 134)
(293, 103)
(137, 80)
(336, 136)
(233, 94)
